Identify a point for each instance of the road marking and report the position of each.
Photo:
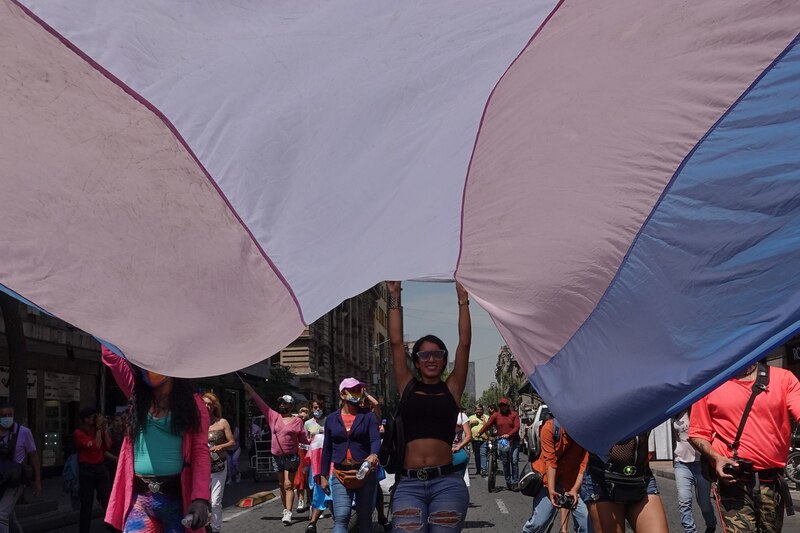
(502, 506)
(227, 517)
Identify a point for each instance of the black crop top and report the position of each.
(429, 412)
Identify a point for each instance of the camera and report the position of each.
(565, 501)
(744, 470)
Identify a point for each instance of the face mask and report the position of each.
(352, 399)
(316, 414)
(283, 409)
(6, 421)
(153, 379)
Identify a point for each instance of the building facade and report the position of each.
(349, 341)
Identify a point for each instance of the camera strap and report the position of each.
(759, 385)
(563, 522)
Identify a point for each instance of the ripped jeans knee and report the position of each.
(411, 520)
(434, 506)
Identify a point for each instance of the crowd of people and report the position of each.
(163, 464)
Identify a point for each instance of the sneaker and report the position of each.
(301, 506)
(484, 474)
(311, 528)
(287, 517)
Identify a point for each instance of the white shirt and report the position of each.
(684, 452)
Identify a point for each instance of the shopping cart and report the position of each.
(261, 460)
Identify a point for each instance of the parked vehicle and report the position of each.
(534, 445)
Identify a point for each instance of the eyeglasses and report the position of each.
(436, 355)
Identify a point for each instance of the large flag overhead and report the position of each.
(617, 183)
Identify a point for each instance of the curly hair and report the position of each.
(216, 407)
(182, 405)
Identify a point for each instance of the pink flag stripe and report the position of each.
(128, 235)
(598, 112)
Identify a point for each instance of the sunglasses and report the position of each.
(436, 355)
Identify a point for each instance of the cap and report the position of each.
(503, 401)
(350, 383)
(286, 399)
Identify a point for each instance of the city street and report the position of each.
(502, 511)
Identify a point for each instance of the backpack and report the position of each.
(531, 482)
(69, 475)
(393, 448)
(536, 451)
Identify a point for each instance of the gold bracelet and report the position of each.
(394, 302)
(463, 302)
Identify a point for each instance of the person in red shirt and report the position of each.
(92, 439)
(764, 442)
(506, 423)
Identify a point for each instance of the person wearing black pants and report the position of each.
(92, 439)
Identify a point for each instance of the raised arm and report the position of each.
(402, 375)
(458, 377)
(120, 369)
(262, 406)
(200, 460)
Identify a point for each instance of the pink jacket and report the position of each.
(195, 478)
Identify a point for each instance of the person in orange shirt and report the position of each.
(561, 464)
(750, 487)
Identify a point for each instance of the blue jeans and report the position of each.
(438, 505)
(687, 476)
(480, 450)
(544, 513)
(511, 474)
(343, 503)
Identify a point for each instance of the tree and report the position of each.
(280, 382)
(468, 401)
(17, 350)
(490, 396)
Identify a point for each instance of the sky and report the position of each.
(433, 308)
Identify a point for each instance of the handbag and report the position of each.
(12, 473)
(347, 477)
(290, 462)
(393, 447)
(624, 489)
(217, 463)
(530, 483)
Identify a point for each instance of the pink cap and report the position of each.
(350, 383)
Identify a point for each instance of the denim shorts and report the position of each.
(593, 491)
(280, 460)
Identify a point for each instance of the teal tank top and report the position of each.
(157, 451)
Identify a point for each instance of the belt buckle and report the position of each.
(422, 475)
(629, 470)
(154, 487)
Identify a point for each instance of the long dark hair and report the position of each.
(182, 405)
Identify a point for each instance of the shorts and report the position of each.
(280, 461)
(593, 491)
